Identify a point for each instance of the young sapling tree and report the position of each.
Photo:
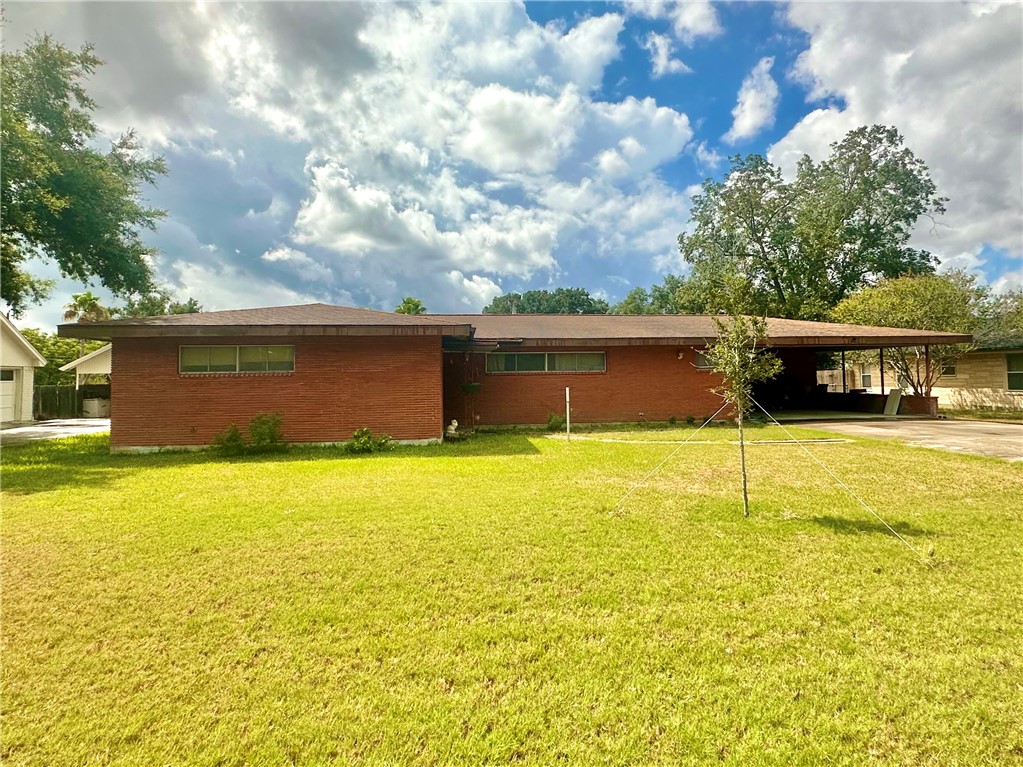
(739, 356)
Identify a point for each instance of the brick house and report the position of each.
(177, 381)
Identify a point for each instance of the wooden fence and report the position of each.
(50, 402)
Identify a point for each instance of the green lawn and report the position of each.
(476, 604)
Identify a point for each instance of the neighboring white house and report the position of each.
(92, 364)
(18, 361)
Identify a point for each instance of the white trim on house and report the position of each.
(93, 362)
(18, 359)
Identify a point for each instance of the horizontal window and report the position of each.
(948, 371)
(236, 359)
(552, 362)
(6, 375)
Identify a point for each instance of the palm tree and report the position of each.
(85, 307)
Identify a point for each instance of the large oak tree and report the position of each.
(805, 245)
(62, 198)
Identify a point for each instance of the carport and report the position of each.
(796, 394)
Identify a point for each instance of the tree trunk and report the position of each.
(742, 465)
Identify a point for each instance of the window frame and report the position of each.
(237, 360)
(547, 365)
(701, 362)
(866, 380)
(954, 366)
(7, 375)
(1009, 372)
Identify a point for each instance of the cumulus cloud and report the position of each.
(661, 62)
(512, 131)
(756, 104)
(950, 78)
(369, 151)
(690, 19)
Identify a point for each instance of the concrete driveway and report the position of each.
(1002, 440)
(64, 427)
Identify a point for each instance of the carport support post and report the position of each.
(880, 354)
(844, 390)
(927, 369)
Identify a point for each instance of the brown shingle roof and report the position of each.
(618, 329)
(306, 319)
(512, 329)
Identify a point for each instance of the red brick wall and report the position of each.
(912, 404)
(391, 385)
(640, 379)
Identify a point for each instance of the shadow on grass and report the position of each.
(855, 526)
(86, 461)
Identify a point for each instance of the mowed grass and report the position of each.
(477, 604)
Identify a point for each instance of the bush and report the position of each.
(265, 431)
(555, 422)
(690, 420)
(672, 420)
(230, 441)
(363, 442)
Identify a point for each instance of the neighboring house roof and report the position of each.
(36, 359)
(307, 319)
(1001, 345)
(682, 329)
(75, 364)
(532, 329)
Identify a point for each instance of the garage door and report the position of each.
(7, 395)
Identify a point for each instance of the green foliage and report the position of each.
(410, 305)
(672, 420)
(155, 303)
(555, 422)
(58, 352)
(265, 432)
(230, 441)
(558, 301)
(691, 420)
(363, 442)
(804, 246)
(952, 302)
(739, 356)
(60, 197)
(85, 307)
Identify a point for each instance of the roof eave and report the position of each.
(101, 332)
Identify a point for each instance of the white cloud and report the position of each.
(431, 150)
(756, 104)
(301, 264)
(661, 63)
(706, 157)
(476, 291)
(690, 19)
(950, 79)
(512, 131)
(229, 287)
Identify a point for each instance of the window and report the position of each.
(6, 375)
(865, 380)
(948, 370)
(554, 362)
(1014, 366)
(702, 363)
(235, 359)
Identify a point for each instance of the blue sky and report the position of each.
(359, 153)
